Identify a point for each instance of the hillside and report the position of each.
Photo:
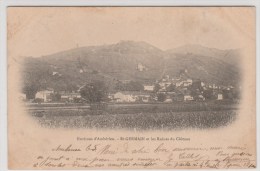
(230, 56)
(205, 68)
(129, 60)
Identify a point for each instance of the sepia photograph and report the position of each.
(133, 84)
(161, 76)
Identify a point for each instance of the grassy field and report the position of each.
(141, 117)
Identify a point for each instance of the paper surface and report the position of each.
(63, 51)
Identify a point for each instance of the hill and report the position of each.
(230, 56)
(129, 60)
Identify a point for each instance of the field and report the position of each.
(138, 116)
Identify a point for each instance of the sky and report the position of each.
(38, 31)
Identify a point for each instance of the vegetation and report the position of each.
(111, 63)
(55, 97)
(142, 121)
(156, 88)
(94, 92)
(161, 97)
(30, 91)
(171, 88)
(131, 86)
(208, 94)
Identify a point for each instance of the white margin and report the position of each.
(3, 89)
(3, 49)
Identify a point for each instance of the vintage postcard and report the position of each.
(131, 87)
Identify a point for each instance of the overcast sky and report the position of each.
(45, 30)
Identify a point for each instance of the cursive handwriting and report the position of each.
(127, 155)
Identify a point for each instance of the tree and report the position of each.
(236, 93)
(30, 90)
(33, 81)
(196, 85)
(135, 86)
(156, 88)
(208, 94)
(131, 86)
(161, 97)
(195, 94)
(55, 97)
(94, 92)
(227, 94)
(171, 88)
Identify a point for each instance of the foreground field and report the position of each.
(139, 121)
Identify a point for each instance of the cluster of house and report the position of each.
(172, 89)
(164, 90)
(47, 95)
(130, 96)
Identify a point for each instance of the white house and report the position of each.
(56, 73)
(44, 94)
(220, 96)
(185, 83)
(187, 97)
(130, 96)
(141, 67)
(168, 100)
(124, 97)
(201, 97)
(69, 96)
(145, 98)
(179, 83)
(148, 87)
(162, 84)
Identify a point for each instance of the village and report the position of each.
(166, 90)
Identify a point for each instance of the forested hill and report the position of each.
(129, 60)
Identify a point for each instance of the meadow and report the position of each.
(141, 116)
